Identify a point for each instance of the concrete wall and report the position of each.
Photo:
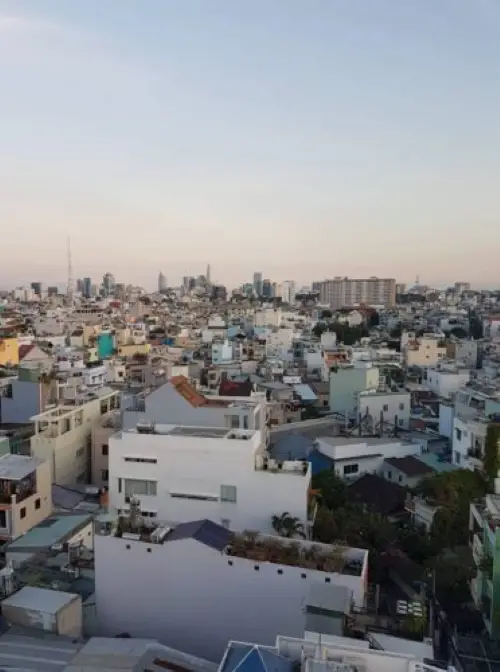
(27, 400)
(347, 383)
(182, 587)
(390, 406)
(197, 468)
(33, 515)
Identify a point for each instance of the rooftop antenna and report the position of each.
(69, 291)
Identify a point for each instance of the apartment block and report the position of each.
(347, 381)
(484, 527)
(25, 494)
(184, 473)
(340, 292)
(238, 589)
(426, 350)
(63, 435)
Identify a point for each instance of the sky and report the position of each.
(301, 138)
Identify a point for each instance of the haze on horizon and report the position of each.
(301, 139)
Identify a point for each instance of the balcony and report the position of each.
(299, 467)
(21, 489)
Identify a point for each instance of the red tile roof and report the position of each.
(24, 349)
(192, 396)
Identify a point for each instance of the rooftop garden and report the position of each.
(260, 548)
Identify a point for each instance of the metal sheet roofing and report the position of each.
(52, 530)
(305, 392)
(205, 531)
(16, 467)
(39, 599)
(252, 658)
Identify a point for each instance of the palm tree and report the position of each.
(288, 526)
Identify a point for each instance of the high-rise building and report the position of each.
(52, 291)
(87, 287)
(108, 284)
(79, 285)
(341, 292)
(257, 284)
(400, 288)
(37, 288)
(267, 288)
(162, 282)
(288, 291)
(208, 276)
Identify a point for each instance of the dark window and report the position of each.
(386, 408)
(105, 475)
(104, 448)
(23, 512)
(37, 503)
(351, 469)
(401, 407)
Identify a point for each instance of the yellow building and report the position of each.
(9, 351)
(131, 349)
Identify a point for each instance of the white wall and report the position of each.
(196, 468)
(389, 405)
(368, 455)
(188, 596)
(446, 415)
(446, 383)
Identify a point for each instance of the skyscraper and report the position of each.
(208, 274)
(257, 284)
(108, 284)
(87, 287)
(162, 282)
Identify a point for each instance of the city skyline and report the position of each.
(356, 137)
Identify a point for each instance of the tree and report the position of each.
(332, 489)
(476, 329)
(491, 460)
(373, 320)
(318, 329)
(288, 526)
(326, 314)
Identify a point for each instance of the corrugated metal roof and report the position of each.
(305, 392)
(205, 531)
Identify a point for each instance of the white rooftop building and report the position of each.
(182, 473)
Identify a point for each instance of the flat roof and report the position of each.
(49, 532)
(16, 467)
(40, 599)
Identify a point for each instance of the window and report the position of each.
(234, 422)
(400, 478)
(228, 493)
(401, 406)
(23, 512)
(104, 449)
(457, 457)
(37, 503)
(3, 519)
(194, 495)
(104, 407)
(458, 433)
(105, 475)
(135, 486)
(245, 422)
(401, 423)
(351, 469)
(389, 475)
(145, 460)
(119, 485)
(385, 408)
(149, 514)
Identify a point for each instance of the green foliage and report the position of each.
(288, 526)
(453, 487)
(346, 334)
(331, 487)
(491, 460)
(318, 329)
(373, 320)
(326, 314)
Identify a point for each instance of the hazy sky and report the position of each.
(301, 138)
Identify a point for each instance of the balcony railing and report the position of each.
(6, 497)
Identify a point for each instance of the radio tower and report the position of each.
(69, 290)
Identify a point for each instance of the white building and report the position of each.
(351, 457)
(194, 590)
(183, 473)
(178, 402)
(392, 408)
(445, 382)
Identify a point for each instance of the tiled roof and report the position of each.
(24, 349)
(192, 396)
(378, 494)
(409, 465)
